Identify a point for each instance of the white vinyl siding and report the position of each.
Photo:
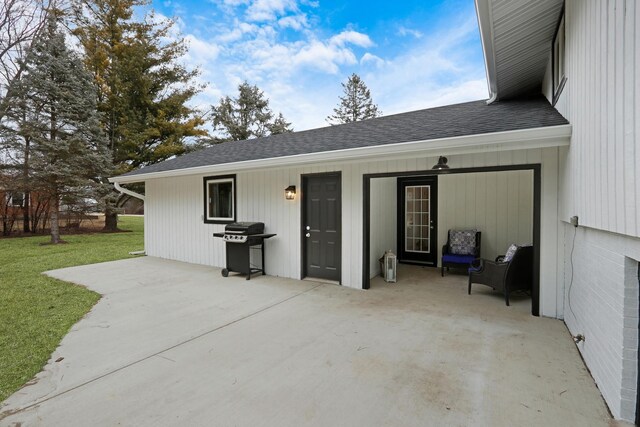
(499, 204)
(384, 227)
(601, 99)
(600, 183)
(175, 228)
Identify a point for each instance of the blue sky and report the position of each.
(411, 54)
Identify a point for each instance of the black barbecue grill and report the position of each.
(241, 238)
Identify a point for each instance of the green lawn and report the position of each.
(37, 311)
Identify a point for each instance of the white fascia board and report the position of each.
(485, 24)
(551, 136)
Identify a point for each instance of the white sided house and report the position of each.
(558, 138)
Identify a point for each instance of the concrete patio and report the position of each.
(176, 344)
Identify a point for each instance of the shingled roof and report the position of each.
(470, 118)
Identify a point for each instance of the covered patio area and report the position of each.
(175, 343)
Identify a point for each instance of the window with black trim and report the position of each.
(558, 62)
(220, 199)
(16, 199)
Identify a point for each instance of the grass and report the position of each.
(37, 311)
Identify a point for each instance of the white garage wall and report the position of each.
(384, 220)
(499, 204)
(175, 230)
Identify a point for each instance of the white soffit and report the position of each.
(517, 36)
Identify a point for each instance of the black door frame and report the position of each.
(433, 245)
(303, 211)
(537, 198)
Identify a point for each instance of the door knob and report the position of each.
(308, 234)
(308, 227)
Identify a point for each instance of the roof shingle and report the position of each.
(468, 118)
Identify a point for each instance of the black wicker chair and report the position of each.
(506, 277)
(450, 260)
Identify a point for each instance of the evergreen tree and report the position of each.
(355, 105)
(57, 114)
(143, 89)
(247, 116)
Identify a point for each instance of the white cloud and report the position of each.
(351, 37)
(301, 71)
(296, 22)
(403, 31)
(239, 30)
(200, 51)
(324, 57)
(269, 10)
(369, 58)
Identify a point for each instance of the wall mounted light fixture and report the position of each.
(290, 192)
(442, 164)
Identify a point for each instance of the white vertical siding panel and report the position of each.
(525, 204)
(619, 109)
(601, 100)
(549, 231)
(636, 130)
(629, 84)
(483, 215)
(491, 245)
(176, 201)
(502, 215)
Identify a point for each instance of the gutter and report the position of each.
(543, 137)
(123, 190)
(485, 24)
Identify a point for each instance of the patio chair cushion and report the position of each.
(510, 252)
(462, 242)
(458, 259)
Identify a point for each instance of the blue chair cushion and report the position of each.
(458, 259)
(474, 269)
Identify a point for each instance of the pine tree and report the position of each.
(247, 116)
(143, 88)
(355, 105)
(58, 116)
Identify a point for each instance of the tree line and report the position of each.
(88, 90)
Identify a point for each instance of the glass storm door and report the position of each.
(417, 222)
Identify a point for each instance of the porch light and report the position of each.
(290, 192)
(442, 164)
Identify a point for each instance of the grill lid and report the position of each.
(245, 228)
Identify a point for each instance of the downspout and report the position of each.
(123, 190)
(485, 25)
(128, 192)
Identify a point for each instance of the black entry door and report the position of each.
(417, 220)
(321, 226)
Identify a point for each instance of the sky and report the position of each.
(411, 54)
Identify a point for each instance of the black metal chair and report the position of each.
(450, 260)
(506, 277)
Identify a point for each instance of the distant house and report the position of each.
(13, 206)
(557, 139)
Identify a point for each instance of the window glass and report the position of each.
(16, 199)
(220, 199)
(558, 57)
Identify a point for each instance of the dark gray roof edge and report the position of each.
(462, 119)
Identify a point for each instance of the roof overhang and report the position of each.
(516, 39)
(543, 137)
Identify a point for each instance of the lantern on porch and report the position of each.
(390, 266)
